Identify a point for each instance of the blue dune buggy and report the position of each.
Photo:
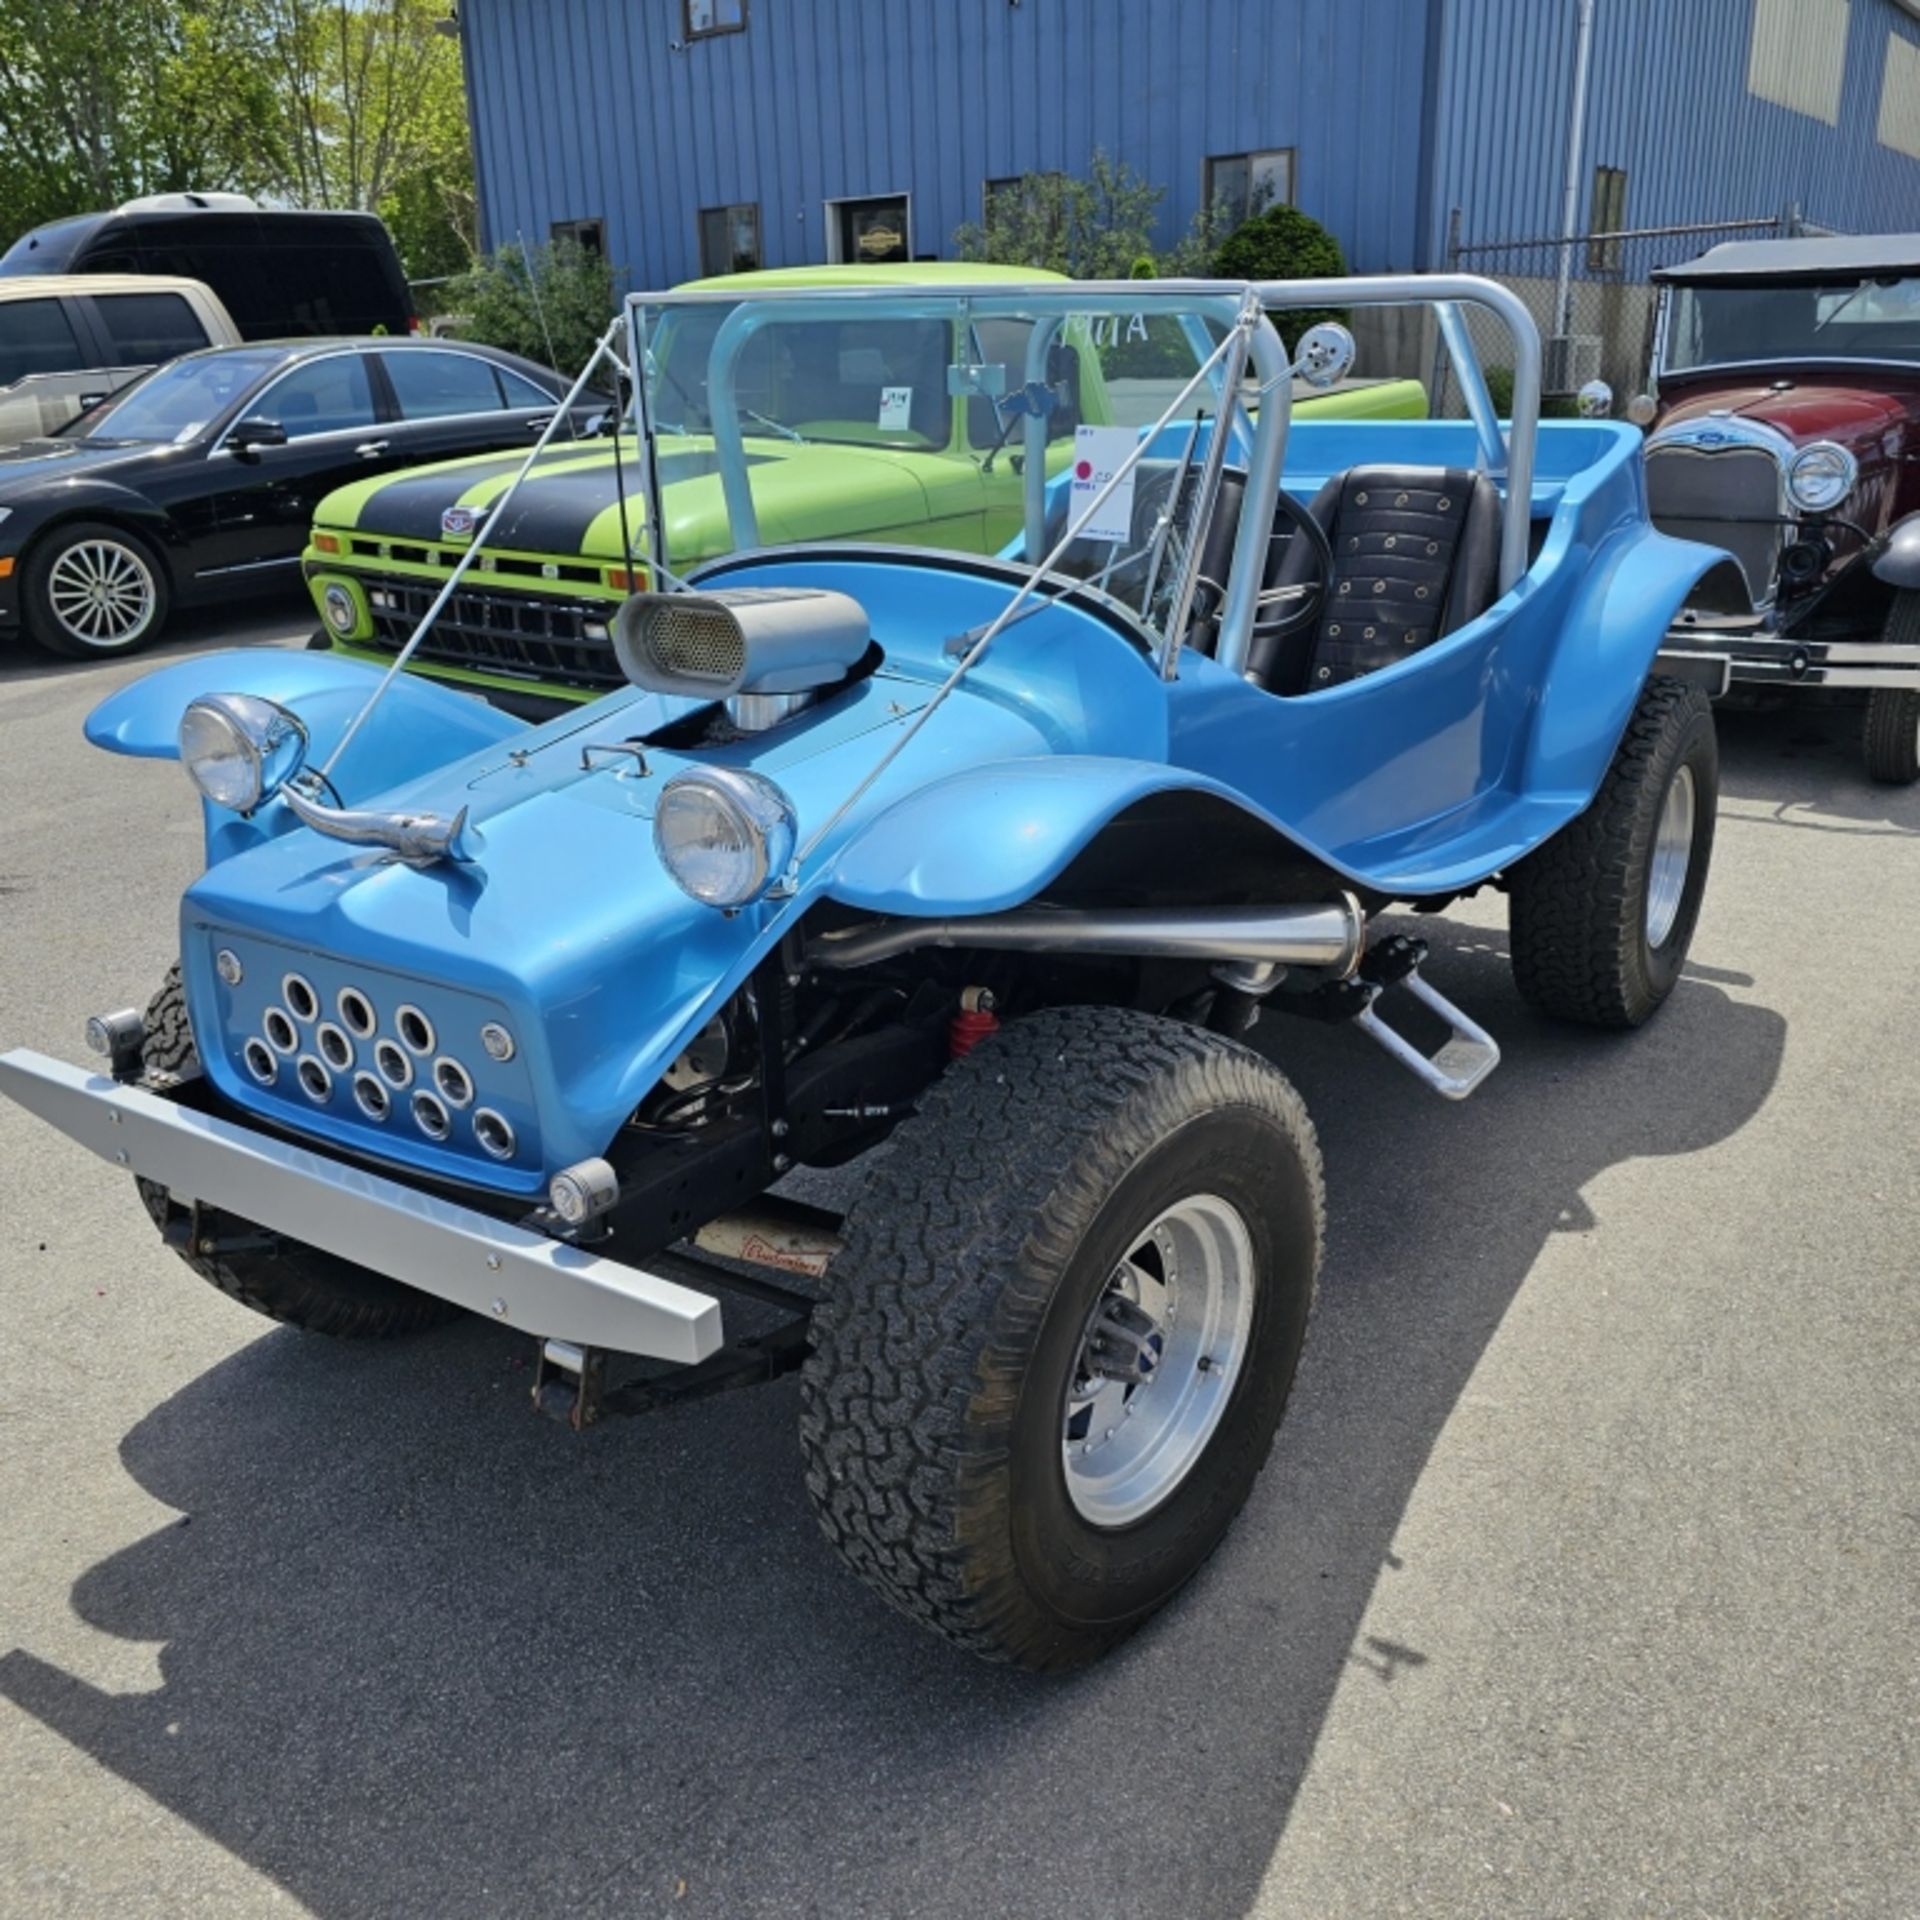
(993, 861)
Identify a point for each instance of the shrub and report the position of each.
(551, 304)
(1282, 243)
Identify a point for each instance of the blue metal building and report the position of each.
(691, 135)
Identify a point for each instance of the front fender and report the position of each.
(1898, 562)
(418, 726)
(1605, 652)
(991, 837)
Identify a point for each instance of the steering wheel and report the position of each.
(1313, 585)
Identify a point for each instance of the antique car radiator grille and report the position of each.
(1723, 497)
(526, 636)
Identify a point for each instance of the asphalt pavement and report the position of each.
(1582, 1582)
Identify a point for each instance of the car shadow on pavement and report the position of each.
(424, 1654)
(1801, 767)
(262, 619)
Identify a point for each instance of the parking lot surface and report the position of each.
(1582, 1581)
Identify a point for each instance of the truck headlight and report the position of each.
(1821, 476)
(239, 749)
(727, 836)
(339, 608)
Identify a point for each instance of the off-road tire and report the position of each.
(290, 1281)
(43, 625)
(1578, 905)
(934, 1395)
(1892, 735)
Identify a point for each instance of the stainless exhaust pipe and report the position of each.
(1330, 936)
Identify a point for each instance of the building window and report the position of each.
(1798, 55)
(590, 236)
(1248, 183)
(704, 18)
(1606, 216)
(730, 238)
(1900, 97)
(866, 232)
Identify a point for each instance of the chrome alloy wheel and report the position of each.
(1157, 1363)
(1672, 855)
(103, 593)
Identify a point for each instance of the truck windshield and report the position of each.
(1720, 324)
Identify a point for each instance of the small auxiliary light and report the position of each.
(119, 1038)
(583, 1191)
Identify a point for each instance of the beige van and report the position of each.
(67, 340)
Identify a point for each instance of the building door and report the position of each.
(869, 231)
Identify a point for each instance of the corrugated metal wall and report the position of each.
(583, 110)
(1670, 104)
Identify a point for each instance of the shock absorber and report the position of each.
(975, 1020)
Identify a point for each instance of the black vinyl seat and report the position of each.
(1416, 553)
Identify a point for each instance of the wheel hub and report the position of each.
(1157, 1361)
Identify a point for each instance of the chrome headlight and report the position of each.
(1821, 476)
(239, 749)
(726, 836)
(339, 608)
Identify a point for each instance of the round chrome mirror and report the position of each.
(1595, 400)
(1323, 355)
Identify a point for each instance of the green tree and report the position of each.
(551, 303)
(1282, 243)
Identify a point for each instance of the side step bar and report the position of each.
(1465, 1058)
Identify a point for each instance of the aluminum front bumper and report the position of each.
(489, 1266)
(1755, 659)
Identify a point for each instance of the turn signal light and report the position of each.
(626, 580)
(326, 542)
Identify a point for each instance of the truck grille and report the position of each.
(526, 636)
(1725, 497)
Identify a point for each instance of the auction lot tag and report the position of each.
(896, 409)
(1096, 452)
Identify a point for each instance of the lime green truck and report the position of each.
(530, 623)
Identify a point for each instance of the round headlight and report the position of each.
(337, 604)
(239, 749)
(1821, 476)
(725, 835)
(1641, 409)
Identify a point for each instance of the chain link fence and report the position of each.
(1592, 298)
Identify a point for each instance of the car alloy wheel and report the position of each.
(1672, 854)
(102, 592)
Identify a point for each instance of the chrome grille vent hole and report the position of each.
(260, 1061)
(494, 1134)
(371, 1097)
(280, 1030)
(356, 1013)
(430, 1116)
(302, 1001)
(315, 1081)
(454, 1082)
(334, 1046)
(391, 1058)
(414, 1028)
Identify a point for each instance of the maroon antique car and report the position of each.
(1786, 429)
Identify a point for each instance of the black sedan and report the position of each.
(200, 481)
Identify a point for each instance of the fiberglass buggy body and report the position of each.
(993, 860)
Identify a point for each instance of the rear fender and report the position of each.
(1606, 651)
(992, 837)
(417, 727)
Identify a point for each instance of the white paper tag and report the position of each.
(1096, 452)
(896, 409)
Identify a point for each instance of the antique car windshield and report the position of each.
(1851, 318)
(944, 399)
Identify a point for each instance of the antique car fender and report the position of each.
(991, 837)
(1606, 650)
(1898, 562)
(417, 726)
